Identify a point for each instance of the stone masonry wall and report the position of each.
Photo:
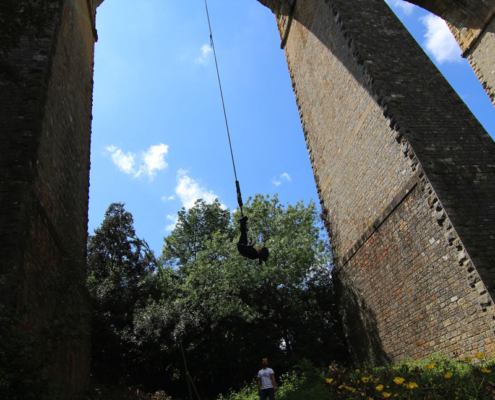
(478, 47)
(404, 293)
(45, 125)
(378, 116)
(476, 37)
(471, 22)
(473, 26)
(468, 13)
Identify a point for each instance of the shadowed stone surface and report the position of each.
(406, 179)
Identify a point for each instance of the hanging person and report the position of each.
(247, 249)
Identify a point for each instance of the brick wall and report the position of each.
(473, 26)
(45, 125)
(376, 113)
(403, 292)
(470, 13)
(478, 46)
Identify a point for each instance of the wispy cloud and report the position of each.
(439, 41)
(124, 162)
(173, 222)
(153, 160)
(405, 7)
(167, 198)
(188, 190)
(276, 182)
(283, 177)
(206, 50)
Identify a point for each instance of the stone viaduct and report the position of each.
(405, 175)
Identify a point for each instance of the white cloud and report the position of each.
(205, 52)
(278, 181)
(152, 160)
(405, 7)
(169, 198)
(188, 191)
(439, 41)
(125, 162)
(171, 226)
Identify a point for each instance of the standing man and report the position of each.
(266, 382)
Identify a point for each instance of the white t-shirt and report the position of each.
(266, 379)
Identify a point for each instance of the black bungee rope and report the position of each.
(212, 44)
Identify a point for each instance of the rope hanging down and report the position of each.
(212, 44)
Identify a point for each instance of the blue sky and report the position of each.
(159, 139)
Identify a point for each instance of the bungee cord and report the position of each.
(212, 44)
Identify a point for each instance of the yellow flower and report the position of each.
(377, 379)
(396, 395)
(350, 389)
(364, 379)
(468, 359)
(486, 371)
(379, 388)
(341, 386)
(329, 380)
(357, 370)
(480, 356)
(399, 380)
(386, 395)
(430, 366)
(411, 385)
(448, 375)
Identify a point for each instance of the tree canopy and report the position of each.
(227, 311)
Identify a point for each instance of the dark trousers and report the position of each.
(267, 393)
(243, 247)
(244, 238)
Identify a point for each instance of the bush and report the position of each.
(304, 383)
(436, 378)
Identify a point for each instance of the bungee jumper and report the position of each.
(246, 249)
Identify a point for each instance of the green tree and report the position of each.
(195, 229)
(229, 311)
(119, 274)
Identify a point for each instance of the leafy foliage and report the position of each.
(434, 378)
(304, 382)
(118, 269)
(227, 311)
